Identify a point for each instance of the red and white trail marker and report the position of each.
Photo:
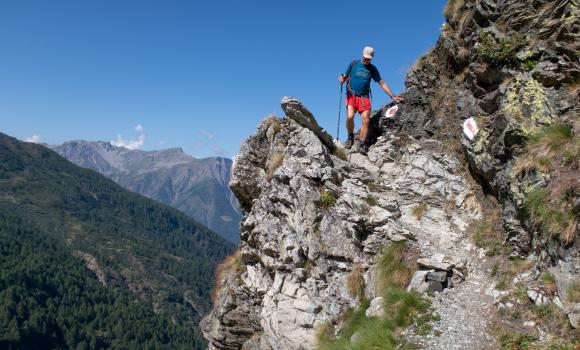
(390, 113)
(470, 128)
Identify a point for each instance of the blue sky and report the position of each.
(193, 74)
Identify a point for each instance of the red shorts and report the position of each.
(360, 103)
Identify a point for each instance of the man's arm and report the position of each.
(342, 77)
(389, 92)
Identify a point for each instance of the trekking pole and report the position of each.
(339, 110)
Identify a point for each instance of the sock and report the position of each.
(351, 136)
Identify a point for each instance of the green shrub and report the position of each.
(499, 50)
(546, 311)
(520, 292)
(371, 200)
(554, 221)
(327, 199)
(486, 237)
(517, 340)
(529, 65)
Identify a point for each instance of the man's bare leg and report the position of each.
(350, 119)
(364, 129)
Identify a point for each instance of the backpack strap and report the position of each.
(348, 89)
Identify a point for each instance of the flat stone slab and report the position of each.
(428, 263)
(418, 281)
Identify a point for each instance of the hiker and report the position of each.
(358, 77)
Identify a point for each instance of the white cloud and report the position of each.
(33, 139)
(131, 144)
(219, 151)
(207, 134)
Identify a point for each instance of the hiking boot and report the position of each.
(363, 148)
(349, 142)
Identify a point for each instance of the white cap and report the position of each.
(369, 52)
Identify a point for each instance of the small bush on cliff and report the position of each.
(327, 199)
(499, 50)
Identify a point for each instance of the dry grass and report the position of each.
(392, 268)
(555, 151)
(274, 122)
(531, 163)
(573, 88)
(452, 146)
(232, 265)
(355, 282)
(274, 163)
(573, 291)
(452, 8)
(548, 282)
(420, 210)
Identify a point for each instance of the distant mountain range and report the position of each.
(198, 187)
(85, 263)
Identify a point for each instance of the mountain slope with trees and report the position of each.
(88, 264)
(197, 187)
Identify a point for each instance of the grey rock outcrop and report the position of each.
(309, 221)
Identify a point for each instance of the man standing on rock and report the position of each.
(358, 76)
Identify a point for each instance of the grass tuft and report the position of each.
(327, 199)
(548, 282)
(232, 265)
(273, 122)
(275, 162)
(392, 269)
(517, 340)
(573, 292)
(355, 282)
(487, 237)
(419, 210)
(553, 220)
(371, 200)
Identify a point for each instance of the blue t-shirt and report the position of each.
(360, 78)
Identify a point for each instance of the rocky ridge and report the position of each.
(313, 213)
(297, 251)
